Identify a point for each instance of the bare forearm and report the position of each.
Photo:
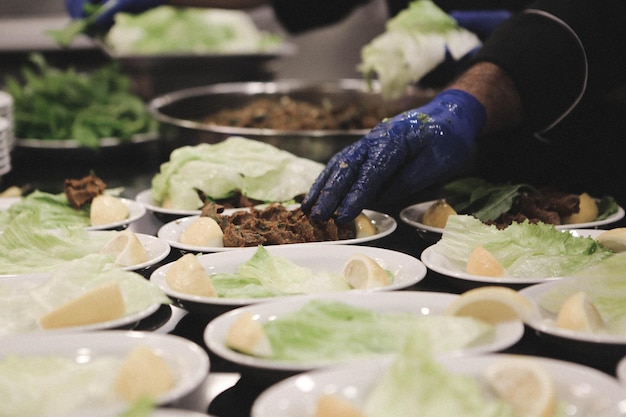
(496, 91)
(220, 4)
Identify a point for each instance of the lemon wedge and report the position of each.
(188, 276)
(247, 335)
(363, 272)
(143, 374)
(203, 231)
(587, 211)
(579, 313)
(525, 384)
(614, 239)
(329, 405)
(364, 226)
(482, 262)
(101, 304)
(127, 249)
(106, 209)
(436, 215)
(492, 304)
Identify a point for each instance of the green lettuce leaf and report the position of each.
(525, 250)
(53, 211)
(260, 171)
(331, 330)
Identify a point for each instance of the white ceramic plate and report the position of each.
(412, 215)
(145, 197)
(188, 361)
(420, 303)
(544, 321)
(171, 232)
(444, 266)
(71, 144)
(136, 212)
(126, 321)
(328, 258)
(583, 391)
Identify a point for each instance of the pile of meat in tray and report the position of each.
(274, 225)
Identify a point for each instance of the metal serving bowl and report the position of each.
(180, 114)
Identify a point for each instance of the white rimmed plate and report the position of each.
(135, 212)
(33, 280)
(544, 321)
(188, 362)
(171, 232)
(145, 197)
(621, 371)
(581, 390)
(421, 303)
(412, 215)
(445, 266)
(406, 269)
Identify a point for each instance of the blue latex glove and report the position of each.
(480, 22)
(104, 21)
(400, 155)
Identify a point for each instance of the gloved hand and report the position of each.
(399, 155)
(105, 18)
(480, 22)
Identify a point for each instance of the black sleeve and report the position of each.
(558, 52)
(302, 15)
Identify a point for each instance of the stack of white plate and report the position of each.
(5, 145)
(6, 112)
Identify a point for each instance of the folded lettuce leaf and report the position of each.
(525, 250)
(260, 171)
(324, 330)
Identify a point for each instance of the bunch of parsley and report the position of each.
(51, 103)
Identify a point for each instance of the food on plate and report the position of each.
(12, 191)
(204, 231)
(481, 262)
(587, 211)
(524, 384)
(81, 191)
(425, 30)
(27, 246)
(503, 204)
(363, 272)
(580, 314)
(437, 214)
(364, 226)
(400, 389)
(276, 224)
(603, 287)
(90, 191)
(614, 239)
(100, 304)
(291, 114)
(26, 300)
(167, 29)
(55, 384)
(59, 104)
(188, 276)
(127, 249)
(491, 304)
(260, 172)
(525, 250)
(248, 336)
(329, 405)
(107, 209)
(327, 330)
(143, 374)
(262, 275)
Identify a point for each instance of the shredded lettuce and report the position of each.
(265, 275)
(168, 29)
(324, 330)
(414, 43)
(24, 303)
(260, 171)
(525, 250)
(417, 385)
